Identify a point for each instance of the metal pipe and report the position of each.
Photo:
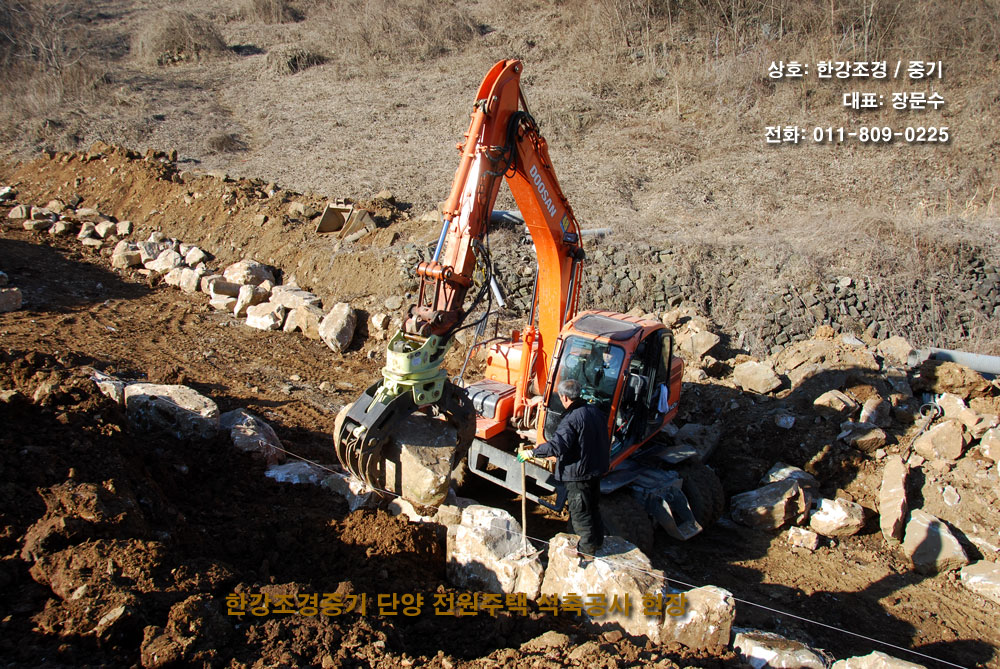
(514, 217)
(496, 292)
(440, 244)
(987, 365)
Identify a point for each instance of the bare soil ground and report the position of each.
(113, 519)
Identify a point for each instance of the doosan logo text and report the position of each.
(542, 190)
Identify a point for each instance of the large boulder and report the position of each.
(250, 296)
(485, 552)
(420, 459)
(357, 493)
(337, 327)
(945, 441)
(757, 377)
(252, 434)
(930, 544)
(875, 660)
(176, 410)
(772, 651)
(266, 316)
(772, 506)
(248, 272)
(892, 502)
(165, 261)
(895, 349)
(707, 621)
(937, 376)
(983, 578)
(620, 572)
(837, 518)
(292, 297)
(298, 472)
(305, 320)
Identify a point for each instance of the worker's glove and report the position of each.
(524, 456)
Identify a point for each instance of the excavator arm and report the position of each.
(502, 143)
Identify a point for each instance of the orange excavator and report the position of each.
(625, 364)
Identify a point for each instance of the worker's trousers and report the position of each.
(583, 500)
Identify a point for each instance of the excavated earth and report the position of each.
(120, 547)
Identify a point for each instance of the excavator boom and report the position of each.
(502, 143)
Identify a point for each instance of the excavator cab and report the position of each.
(625, 366)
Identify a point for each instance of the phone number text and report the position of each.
(793, 134)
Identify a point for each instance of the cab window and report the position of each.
(596, 365)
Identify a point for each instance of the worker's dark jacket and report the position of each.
(580, 443)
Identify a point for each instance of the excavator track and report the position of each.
(363, 429)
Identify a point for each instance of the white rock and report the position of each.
(990, 444)
(772, 506)
(104, 229)
(895, 349)
(357, 493)
(190, 278)
(222, 288)
(248, 272)
(875, 660)
(173, 277)
(484, 552)
(800, 537)
(983, 578)
(195, 256)
(294, 298)
(893, 504)
(379, 321)
(757, 377)
(125, 255)
(87, 230)
(337, 327)
(222, 303)
(419, 459)
(60, 228)
(945, 441)
(707, 621)
(266, 316)
(252, 434)
(165, 261)
(781, 471)
(296, 472)
(177, 410)
(19, 212)
(110, 386)
(767, 650)
(124, 228)
(837, 518)
(249, 296)
(835, 403)
(619, 570)
(305, 320)
(930, 544)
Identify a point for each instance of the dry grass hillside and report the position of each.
(655, 110)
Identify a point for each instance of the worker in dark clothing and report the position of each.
(582, 451)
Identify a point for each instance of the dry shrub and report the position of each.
(46, 65)
(269, 11)
(387, 31)
(173, 37)
(225, 142)
(290, 59)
